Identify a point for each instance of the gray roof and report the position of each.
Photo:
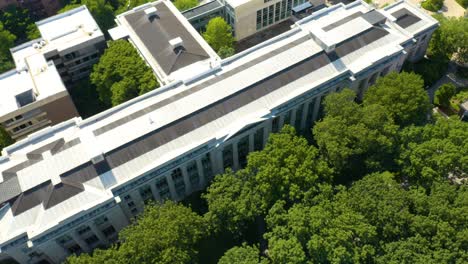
(374, 17)
(156, 32)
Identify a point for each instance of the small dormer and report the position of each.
(177, 44)
(151, 12)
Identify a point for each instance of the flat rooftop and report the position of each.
(50, 177)
(153, 34)
(60, 33)
(19, 88)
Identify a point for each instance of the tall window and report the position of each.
(206, 164)
(179, 183)
(146, 194)
(192, 171)
(275, 125)
(265, 16)
(287, 118)
(310, 114)
(277, 11)
(288, 9)
(163, 188)
(258, 139)
(259, 19)
(270, 14)
(283, 9)
(298, 120)
(227, 157)
(243, 150)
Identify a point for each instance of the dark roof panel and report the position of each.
(360, 41)
(405, 18)
(342, 21)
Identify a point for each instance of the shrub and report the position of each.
(444, 94)
(432, 5)
(463, 3)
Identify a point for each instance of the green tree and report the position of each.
(241, 255)
(18, 21)
(287, 169)
(402, 95)
(225, 52)
(185, 4)
(432, 5)
(232, 201)
(5, 139)
(219, 34)
(166, 233)
(121, 74)
(101, 10)
(6, 42)
(450, 40)
(435, 151)
(354, 138)
(444, 93)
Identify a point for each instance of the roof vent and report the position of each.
(176, 42)
(97, 159)
(151, 12)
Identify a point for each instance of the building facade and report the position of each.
(247, 17)
(173, 140)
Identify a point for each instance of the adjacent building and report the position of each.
(33, 94)
(33, 98)
(72, 40)
(248, 17)
(167, 42)
(70, 188)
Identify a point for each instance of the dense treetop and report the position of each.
(121, 74)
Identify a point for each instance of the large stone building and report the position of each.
(72, 187)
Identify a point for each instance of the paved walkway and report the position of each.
(449, 77)
(450, 8)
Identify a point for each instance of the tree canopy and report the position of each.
(20, 23)
(185, 4)
(355, 139)
(450, 40)
(443, 94)
(5, 139)
(402, 95)
(242, 255)
(121, 74)
(101, 10)
(219, 34)
(6, 42)
(179, 230)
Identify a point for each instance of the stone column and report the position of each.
(172, 189)
(202, 176)
(188, 184)
(155, 192)
(316, 107)
(235, 156)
